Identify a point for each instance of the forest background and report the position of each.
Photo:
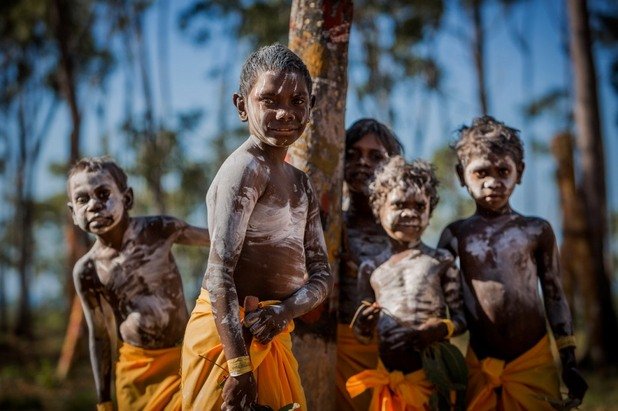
(150, 83)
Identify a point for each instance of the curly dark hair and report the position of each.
(397, 173)
(103, 163)
(488, 135)
(275, 57)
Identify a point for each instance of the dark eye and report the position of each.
(81, 200)
(480, 173)
(420, 206)
(299, 101)
(267, 101)
(377, 156)
(352, 155)
(104, 194)
(504, 172)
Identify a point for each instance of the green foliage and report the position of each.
(460, 205)
(446, 368)
(389, 33)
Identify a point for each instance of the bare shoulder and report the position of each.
(85, 264)
(243, 171)
(441, 255)
(157, 226)
(85, 272)
(537, 227)
(300, 177)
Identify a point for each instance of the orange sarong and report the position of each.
(527, 382)
(393, 391)
(148, 380)
(204, 365)
(352, 358)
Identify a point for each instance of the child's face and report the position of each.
(491, 179)
(277, 107)
(405, 214)
(361, 162)
(97, 204)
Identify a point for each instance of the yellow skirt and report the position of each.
(393, 391)
(148, 379)
(527, 382)
(352, 358)
(204, 365)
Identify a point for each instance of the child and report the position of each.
(413, 285)
(369, 144)
(131, 268)
(503, 257)
(267, 242)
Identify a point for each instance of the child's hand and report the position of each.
(571, 376)
(430, 331)
(265, 323)
(365, 322)
(575, 383)
(239, 392)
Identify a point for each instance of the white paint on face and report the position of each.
(97, 202)
(278, 108)
(405, 214)
(491, 179)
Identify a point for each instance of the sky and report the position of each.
(427, 123)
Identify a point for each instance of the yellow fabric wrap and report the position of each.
(148, 380)
(352, 358)
(393, 391)
(204, 365)
(527, 382)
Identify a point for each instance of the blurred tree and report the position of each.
(319, 34)
(80, 60)
(29, 109)
(604, 334)
(388, 35)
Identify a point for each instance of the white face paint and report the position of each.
(97, 204)
(491, 179)
(405, 214)
(277, 108)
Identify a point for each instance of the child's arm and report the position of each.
(230, 205)
(366, 317)
(179, 231)
(451, 285)
(192, 235)
(557, 309)
(84, 277)
(448, 241)
(269, 321)
(439, 329)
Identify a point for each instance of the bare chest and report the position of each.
(409, 285)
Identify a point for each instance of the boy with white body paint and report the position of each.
(503, 257)
(413, 287)
(267, 242)
(130, 267)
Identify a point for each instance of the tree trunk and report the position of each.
(593, 185)
(23, 218)
(319, 34)
(77, 241)
(575, 253)
(478, 51)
